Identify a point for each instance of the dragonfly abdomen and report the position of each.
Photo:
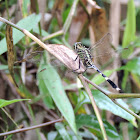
(106, 78)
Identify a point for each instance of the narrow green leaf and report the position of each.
(130, 30)
(27, 23)
(53, 84)
(25, 5)
(3, 67)
(4, 103)
(125, 79)
(23, 91)
(47, 99)
(105, 103)
(10, 52)
(52, 135)
(62, 131)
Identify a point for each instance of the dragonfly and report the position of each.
(84, 53)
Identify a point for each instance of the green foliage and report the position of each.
(133, 66)
(61, 129)
(130, 29)
(105, 103)
(25, 6)
(4, 103)
(3, 67)
(24, 92)
(91, 122)
(99, 79)
(135, 104)
(65, 14)
(50, 89)
(53, 84)
(27, 23)
(130, 40)
(70, 2)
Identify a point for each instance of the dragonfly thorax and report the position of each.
(83, 53)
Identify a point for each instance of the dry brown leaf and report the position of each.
(99, 27)
(66, 56)
(78, 26)
(10, 49)
(57, 11)
(61, 52)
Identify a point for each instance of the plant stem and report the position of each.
(94, 105)
(30, 128)
(10, 117)
(128, 95)
(58, 33)
(70, 16)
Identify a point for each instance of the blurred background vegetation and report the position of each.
(67, 22)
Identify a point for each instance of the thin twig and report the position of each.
(10, 117)
(70, 16)
(53, 35)
(7, 9)
(10, 23)
(128, 95)
(61, 52)
(96, 86)
(94, 105)
(30, 128)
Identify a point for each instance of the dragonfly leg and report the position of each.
(79, 64)
(76, 58)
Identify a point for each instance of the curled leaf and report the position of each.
(66, 56)
(10, 49)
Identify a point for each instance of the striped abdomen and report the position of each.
(106, 78)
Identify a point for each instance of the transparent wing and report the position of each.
(36, 57)
(104, 41)
(33, 56)
(103, 50)
(121, 52)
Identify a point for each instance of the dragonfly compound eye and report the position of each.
(77, 45)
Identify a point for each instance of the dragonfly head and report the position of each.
(78, 45)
